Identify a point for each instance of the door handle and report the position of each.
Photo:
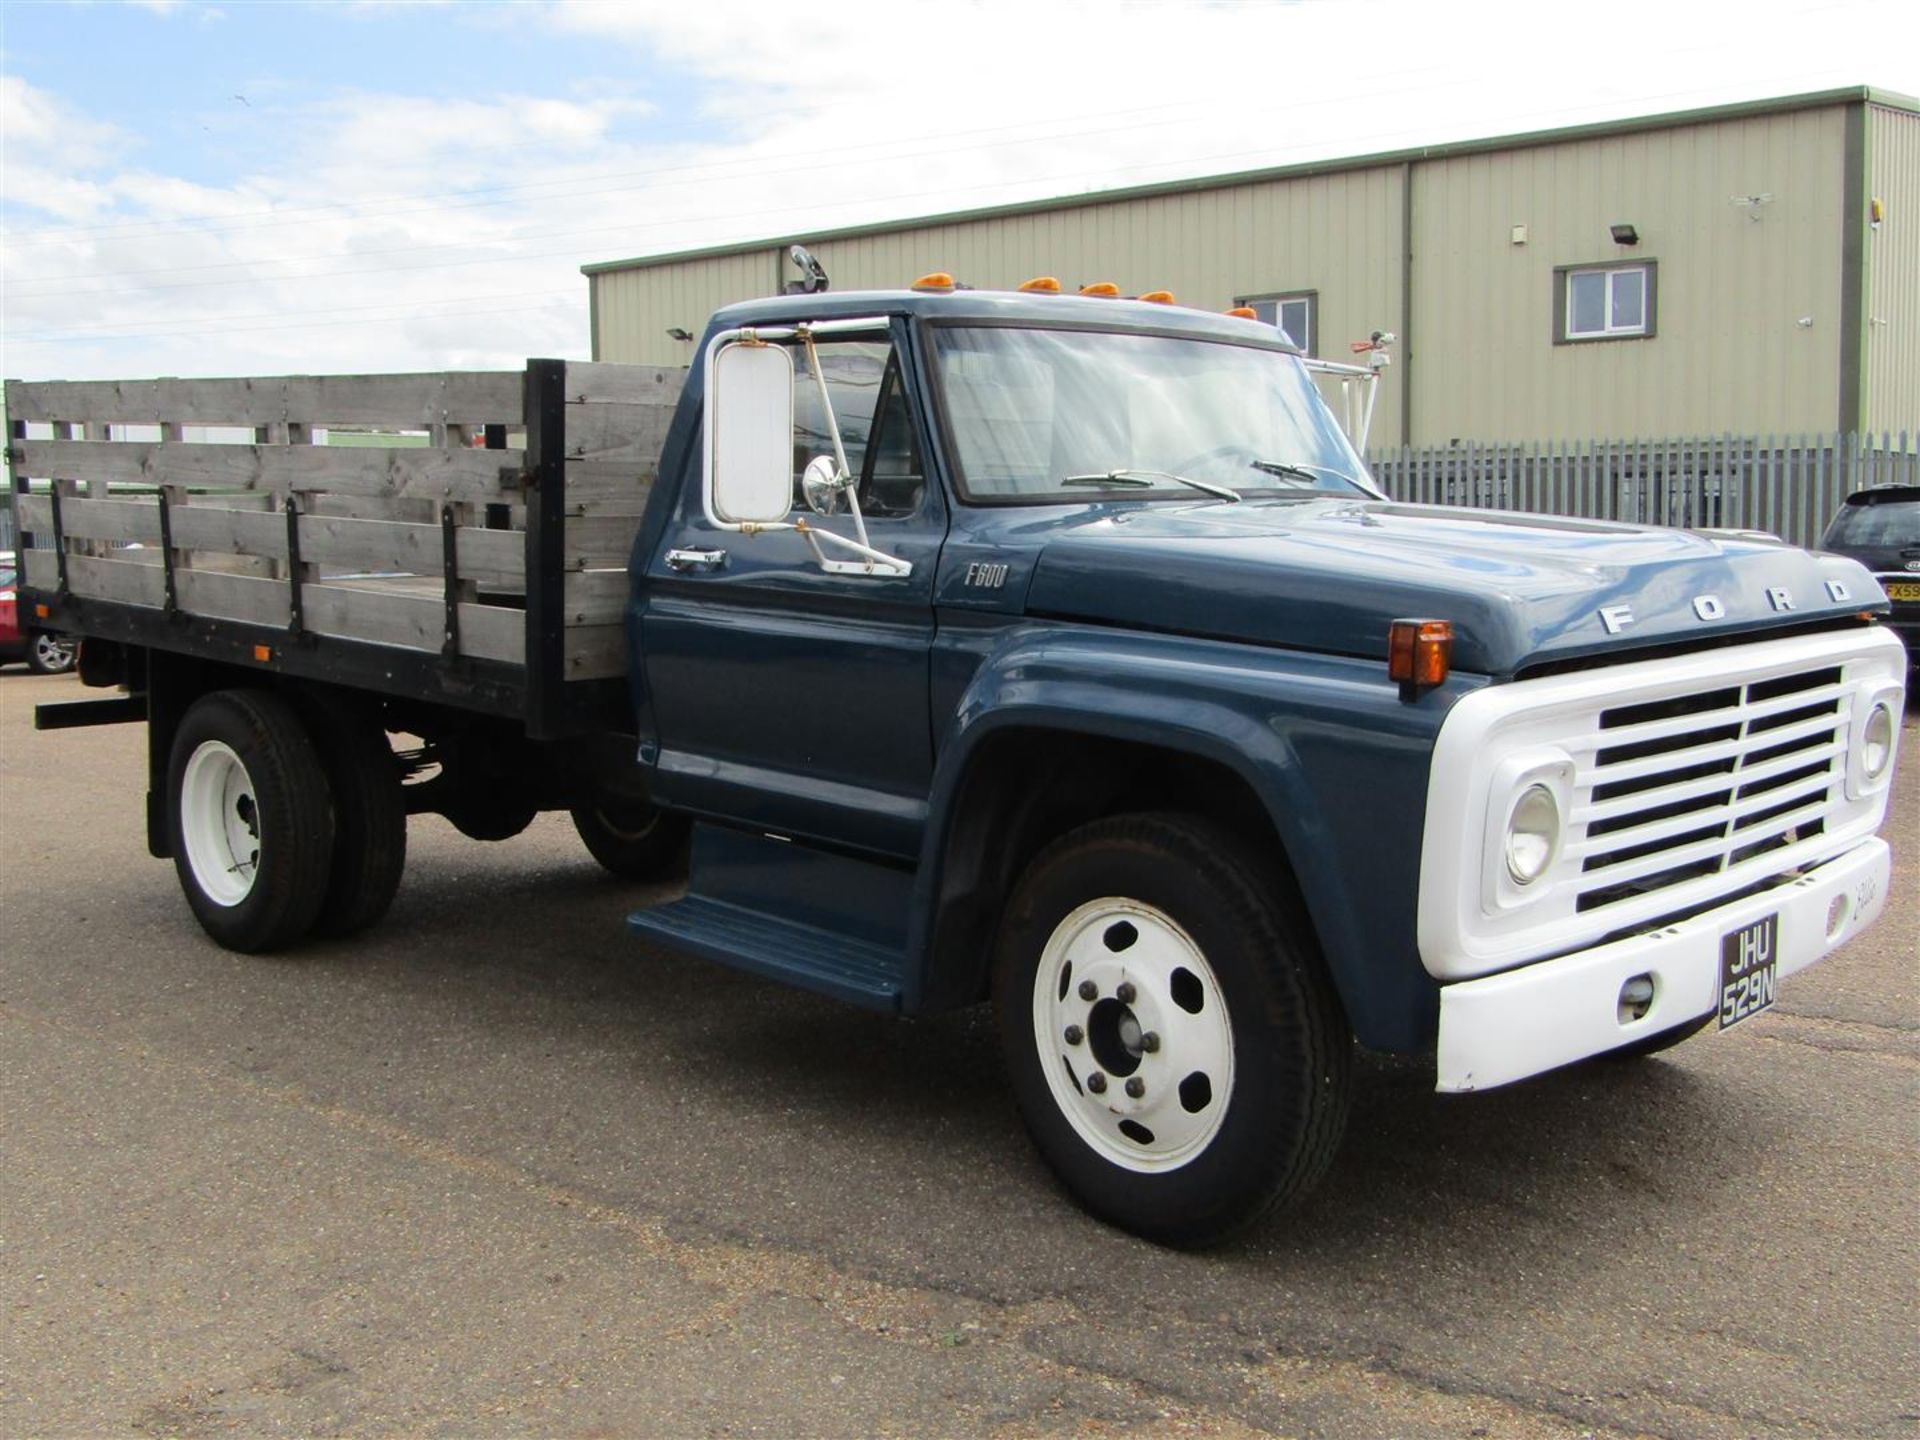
(684, 560)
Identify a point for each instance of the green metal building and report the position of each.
(1750, 269)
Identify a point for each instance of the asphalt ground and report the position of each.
(498, 1169)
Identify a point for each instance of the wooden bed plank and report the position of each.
(411, 400)
(460, 475)
(590, 383)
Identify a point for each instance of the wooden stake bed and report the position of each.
(479, 522)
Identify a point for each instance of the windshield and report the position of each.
(1064, 414)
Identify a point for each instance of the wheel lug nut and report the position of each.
(1089, 990)
(1097, 1083)
(1150, 1042)
(1125, 993)
(1075, 1034)
(1136, 1087)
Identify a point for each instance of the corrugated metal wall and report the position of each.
(1893, 270)
(1730, 354)
(1338, 235)
(1748, 307)
(634, 309)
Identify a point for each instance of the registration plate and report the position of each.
(1749, 969)
(1903, 589)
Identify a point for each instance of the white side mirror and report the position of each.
(749, 476)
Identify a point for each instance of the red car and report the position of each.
(44, 651)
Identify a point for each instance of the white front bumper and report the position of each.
(1504, 1027)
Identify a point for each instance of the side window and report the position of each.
(863, 384)
(1603, 302)
(1295, 313)
(893, 482)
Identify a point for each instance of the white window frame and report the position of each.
(1279, 300)
(1565, 275)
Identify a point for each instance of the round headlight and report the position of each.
(1533, 834)
(1876, 740)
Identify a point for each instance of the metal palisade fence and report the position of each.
(1789, 487)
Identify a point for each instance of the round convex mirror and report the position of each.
(820, 482)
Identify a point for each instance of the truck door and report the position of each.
(785, 697)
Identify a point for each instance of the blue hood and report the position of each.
(1330, 575)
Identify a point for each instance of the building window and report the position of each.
(1295, 313)
(1603, 302)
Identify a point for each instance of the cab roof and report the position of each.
(1006, 307)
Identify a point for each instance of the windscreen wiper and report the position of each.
(1289, 470)
(1145, 479)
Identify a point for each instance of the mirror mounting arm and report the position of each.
(845, 477)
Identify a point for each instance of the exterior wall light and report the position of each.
(1624, 234)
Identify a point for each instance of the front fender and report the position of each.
(1336, 758)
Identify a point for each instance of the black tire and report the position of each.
(632, 838)
(1287, 1085)
(287, 806)
(1653, 1044)
(369, 822)
(50, 654)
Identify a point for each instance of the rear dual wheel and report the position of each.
(280, 830)
(1175, 1045)
(252, 819)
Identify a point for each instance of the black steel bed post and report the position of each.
(546, 418)
(22, 537)
(450, 586)
(296, 614)
(171, 605)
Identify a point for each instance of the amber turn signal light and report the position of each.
(41, 612)
(1419, 652)
(263, 653)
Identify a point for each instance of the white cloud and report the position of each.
(40, 127)
(399, 231)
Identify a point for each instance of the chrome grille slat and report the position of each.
(1762, 774)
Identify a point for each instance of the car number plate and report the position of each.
(1749, 969)
(1903, 589)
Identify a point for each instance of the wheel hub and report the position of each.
(1134, 1033)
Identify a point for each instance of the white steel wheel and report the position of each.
(1176, 1047)
(220, 822)
(1138, 1024)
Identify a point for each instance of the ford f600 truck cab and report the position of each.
(1060, 651)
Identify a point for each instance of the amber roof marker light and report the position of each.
(1042, 285)
(939, 282)
(1419, 653)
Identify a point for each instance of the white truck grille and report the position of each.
(1675, 789)
(1683, 783)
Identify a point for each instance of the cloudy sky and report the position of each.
(242, 187)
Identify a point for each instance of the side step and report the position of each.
(819, 921)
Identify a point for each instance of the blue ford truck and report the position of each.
(1044, 649)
